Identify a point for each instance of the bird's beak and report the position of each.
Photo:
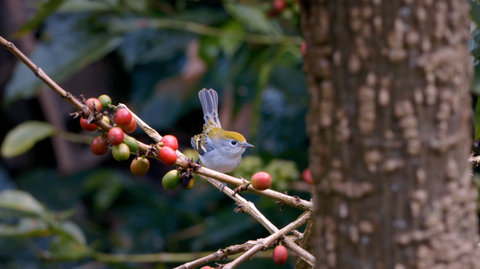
(247, 145)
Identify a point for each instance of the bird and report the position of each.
(217, 148)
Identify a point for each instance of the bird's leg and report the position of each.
(223, 184)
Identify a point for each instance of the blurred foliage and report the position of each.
(24, 136)
(53, 220)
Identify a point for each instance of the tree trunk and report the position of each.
(390, 132)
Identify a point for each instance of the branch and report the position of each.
(292, 201)
(166, 257)
(218, 255)
(268, 241)
(249, 207)
(226, 253)
(244, 205)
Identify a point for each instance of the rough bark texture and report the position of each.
(390, 133)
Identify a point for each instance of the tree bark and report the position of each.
(390, 133)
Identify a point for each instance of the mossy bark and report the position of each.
(389, 123)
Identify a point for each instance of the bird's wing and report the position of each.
(209, 101)
(201, 143)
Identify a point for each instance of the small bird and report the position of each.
(218, 149)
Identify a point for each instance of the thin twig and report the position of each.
(45, 78)
(245, 205)
(218, 255)
(227, 253)
(165, 257)
(250, 208)
(275, 195)
(268, 241)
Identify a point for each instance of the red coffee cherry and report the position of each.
(115, 136)
(170, 141)
(307, 176)
(88, 126)
(167, 155)
(280, 254)
(261, 181)
(303, 48)
(279, 5)
(99, 145)
(130, 127)
(123, 117)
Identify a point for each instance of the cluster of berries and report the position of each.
(118, 140)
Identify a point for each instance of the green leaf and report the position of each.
(231, 45)
(209, 49)
(252, 17)
(73, 231)
(65, 248)
(105, 197)
(107, 185)
(42, 13)
(24, 136)
(68, 46)
(28, 227)
(20, 203)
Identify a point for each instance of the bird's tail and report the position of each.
(209, 101)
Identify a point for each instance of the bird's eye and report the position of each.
(233, 142)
